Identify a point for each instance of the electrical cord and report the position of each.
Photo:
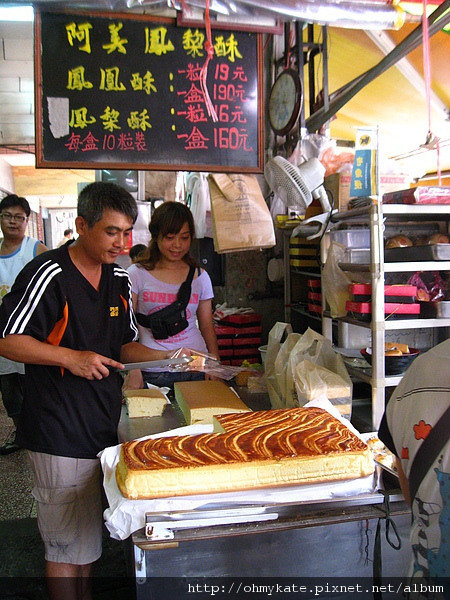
(318, 257)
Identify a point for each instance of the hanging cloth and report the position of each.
(204, 72)
(432, 141)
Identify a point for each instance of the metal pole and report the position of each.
(346, 93)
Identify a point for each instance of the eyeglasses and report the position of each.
(10, 217)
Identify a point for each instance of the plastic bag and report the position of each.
(203, 362)
(273, 347)
(257, 385)
(302, 362)
(316, 145)
(422, 290)
(311, 145)
(437, 288)
(435, 291)
(335, 282)
(197, 187)
(312, 381)
(277, 207)
(336, 162)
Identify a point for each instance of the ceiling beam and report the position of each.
(436, 21)
(386, 45)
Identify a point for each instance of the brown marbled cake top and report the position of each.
(260, 435)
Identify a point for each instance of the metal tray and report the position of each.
(435, 310)
(386, 468)
(412, 253)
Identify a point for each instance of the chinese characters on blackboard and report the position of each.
(129, 92)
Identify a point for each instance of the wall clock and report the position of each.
(285, 101)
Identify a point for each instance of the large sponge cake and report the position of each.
(254, 450)
(200, 401)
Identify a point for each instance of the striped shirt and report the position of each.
(63, 414)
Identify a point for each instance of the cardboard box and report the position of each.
(339, 185)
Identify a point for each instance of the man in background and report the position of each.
(135, 251)
(68, 235)
(16, 250)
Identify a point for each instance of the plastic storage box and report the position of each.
(363, 310)
(362, 292)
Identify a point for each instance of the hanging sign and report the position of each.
(364, 174)
(122, 91)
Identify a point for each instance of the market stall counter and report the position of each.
(347, 531)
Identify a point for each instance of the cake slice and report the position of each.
(149, 402)
(200, 401)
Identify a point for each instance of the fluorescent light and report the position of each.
(16, 13)
(24, 159)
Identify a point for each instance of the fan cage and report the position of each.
(287, 182)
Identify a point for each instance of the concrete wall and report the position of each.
(247, 285)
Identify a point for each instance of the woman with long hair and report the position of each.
(156, 278)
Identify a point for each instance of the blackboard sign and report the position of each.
(123, 91)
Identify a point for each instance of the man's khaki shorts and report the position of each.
(69, 507)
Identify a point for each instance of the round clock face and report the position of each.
(285, 102)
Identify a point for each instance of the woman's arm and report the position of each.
(133, 379)
(206, 326)
(136, 352)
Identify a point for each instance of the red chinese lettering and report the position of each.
(89, 143)
(194, 114)
(193, 95)
(140, 143)
(125, 142)
(239, 74)
(74, 142)
(194, 141)
(237, 115)
(231, 138)
(192, 72)
(240, 93)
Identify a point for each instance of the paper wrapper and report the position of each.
(123, 517)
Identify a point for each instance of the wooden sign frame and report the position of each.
(123, 91)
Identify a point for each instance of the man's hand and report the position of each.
(91, 365)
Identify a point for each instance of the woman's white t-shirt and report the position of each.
(153, 295)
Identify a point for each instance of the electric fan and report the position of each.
(298, 186)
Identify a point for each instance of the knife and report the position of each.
(149, 364)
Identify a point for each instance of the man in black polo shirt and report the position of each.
(69, 318)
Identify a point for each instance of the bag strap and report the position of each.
(428, 452)
(184, 293)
